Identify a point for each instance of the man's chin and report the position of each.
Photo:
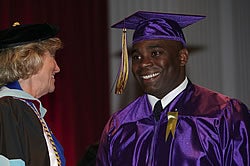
(153, 91)
(150, 91)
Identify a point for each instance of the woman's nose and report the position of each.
(57, 68)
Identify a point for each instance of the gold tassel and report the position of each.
(171, 126)
(123, 71)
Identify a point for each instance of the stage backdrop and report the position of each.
(79, 107)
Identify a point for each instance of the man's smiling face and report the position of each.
(159, 65)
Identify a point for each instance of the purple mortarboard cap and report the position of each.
(24, 34)
(155, 25)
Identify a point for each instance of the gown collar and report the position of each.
(14, 90)
(170, 96)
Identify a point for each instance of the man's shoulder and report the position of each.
(207, 93)
(206, 99)
(134, 111)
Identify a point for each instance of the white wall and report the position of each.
(218, 45)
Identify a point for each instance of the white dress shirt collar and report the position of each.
(170, 96)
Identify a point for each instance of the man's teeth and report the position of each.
(150, 76)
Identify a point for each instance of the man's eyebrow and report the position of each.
(155, 46)
(133, 50)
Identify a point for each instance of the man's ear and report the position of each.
(183, 55)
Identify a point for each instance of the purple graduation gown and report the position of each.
(212, 129)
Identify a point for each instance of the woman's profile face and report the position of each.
(44, 80)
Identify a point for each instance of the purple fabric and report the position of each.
(212, 129)
(157, 25)
(158, 29)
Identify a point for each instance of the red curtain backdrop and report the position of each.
(79, 108)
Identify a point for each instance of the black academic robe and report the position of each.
(21, 133)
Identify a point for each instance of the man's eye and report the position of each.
(136, 57)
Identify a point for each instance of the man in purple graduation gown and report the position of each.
(197, 126)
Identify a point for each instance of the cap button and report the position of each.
(16, 24)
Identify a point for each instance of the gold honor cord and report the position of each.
(45, 129)
(48, 133)
(123, 71)
(171, 126)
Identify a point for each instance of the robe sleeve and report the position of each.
(241, 134)
(103, 157)
(21, 135)
(13, 162)
(11, 132)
